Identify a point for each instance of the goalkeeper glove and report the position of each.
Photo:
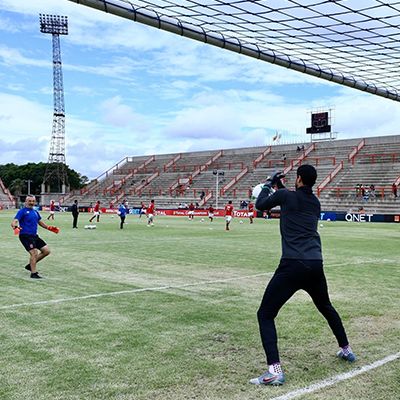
(53, 229)
(17, 230)
(273, 180)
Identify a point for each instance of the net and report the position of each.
(351, 42)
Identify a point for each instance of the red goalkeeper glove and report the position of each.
(53, 229)
(17, 230)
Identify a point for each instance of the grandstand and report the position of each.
(181, 178)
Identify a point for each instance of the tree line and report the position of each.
(16, 177)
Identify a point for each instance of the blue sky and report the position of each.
(135, 90)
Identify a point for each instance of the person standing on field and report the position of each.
(52, 210)
(228, 214)
(122, 214)
(28, 219)
(75, 213)
(96, 212)
(150, 213)
(300, 267)
(251, 212)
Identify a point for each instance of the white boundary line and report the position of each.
(90, 296)
(337, 378)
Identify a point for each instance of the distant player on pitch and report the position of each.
(228, 214)
(150, 213)
(96, 212)
(251, 212)
(28, 219)
(52, 210)
(211, 213)
(300, 267)
(191, 212)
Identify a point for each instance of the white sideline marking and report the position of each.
(337, 378)
(135, 291)
(149, 289)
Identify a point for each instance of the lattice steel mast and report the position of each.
(56, 171)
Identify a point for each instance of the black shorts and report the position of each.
(31, 242)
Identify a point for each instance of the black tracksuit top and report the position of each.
(300, 212)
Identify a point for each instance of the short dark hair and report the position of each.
(308, 174)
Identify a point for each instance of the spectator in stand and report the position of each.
(357, 187)
(202, 195)
(394, 189)
(365, 195)
(284, 157)
(372, 190)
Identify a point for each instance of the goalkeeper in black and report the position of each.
(300, 267)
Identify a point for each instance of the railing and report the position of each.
(184, 168)
(300, 158)
(380, 192)
(245, 191)
(116, 199)
(124, 171)
(356, 150)
(329, 178)
(146, 182)
(397, 181)
(206, 198)
(373, 156)
(234, 180)
(202, 168)
(262, 156)
(173, 161)
(230, 165)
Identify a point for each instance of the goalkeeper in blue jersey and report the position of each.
(25, 224)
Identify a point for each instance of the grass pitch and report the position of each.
(169, 312)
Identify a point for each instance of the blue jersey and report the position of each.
(28, 220)
(122, 211)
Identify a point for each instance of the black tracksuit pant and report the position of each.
(291, 276)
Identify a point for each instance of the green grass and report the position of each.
(197, 337)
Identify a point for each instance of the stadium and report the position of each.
(171, 312)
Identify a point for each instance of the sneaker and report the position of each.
(36, 276)
(269, 379)
(28, 267)
(349, 357)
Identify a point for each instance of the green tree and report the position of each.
(17, 187)
(35, 172)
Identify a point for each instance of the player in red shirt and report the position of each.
(211, 213)
(191, 211)
(150, 213)
(142, 210)
(251, 212)
(96, 212)
(52, 210)
(228, 214)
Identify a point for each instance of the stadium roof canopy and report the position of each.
(355, 43)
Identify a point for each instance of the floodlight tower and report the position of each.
(56, 171)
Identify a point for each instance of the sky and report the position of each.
(132, 90)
